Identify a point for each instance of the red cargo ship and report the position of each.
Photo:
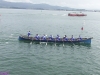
(76, 14)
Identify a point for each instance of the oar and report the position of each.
(40, 40)
(47, 41)
(72, 43)
(31, 41)
(63, 42)
(55, 42)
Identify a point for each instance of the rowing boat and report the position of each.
(54, 40)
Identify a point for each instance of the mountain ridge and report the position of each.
(42, 6)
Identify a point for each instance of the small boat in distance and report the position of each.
(55, 40)
(76, 14)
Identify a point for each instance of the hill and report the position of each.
(21, 5)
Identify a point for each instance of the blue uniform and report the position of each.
(29, 33)
(51, 37)
(44, 37)
(37, 37)
(80, 38)
(58, 38)
(72, 38)
(65, 38)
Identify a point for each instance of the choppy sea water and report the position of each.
(21, 58)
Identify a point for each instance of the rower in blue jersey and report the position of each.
(58, 37)
(37, 37)
(72, 38)
(65, 38)
(80, 37)
(44, 37)
(51, 37)
(29, 33)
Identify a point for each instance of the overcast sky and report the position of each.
(84, 4)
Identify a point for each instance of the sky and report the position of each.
(81, 4)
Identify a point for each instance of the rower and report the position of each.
(72, 38)
(65, 38)
(29, 34)
(37, 37)
(58, 37)
(44, 37)
(80, 37)
(51, 37)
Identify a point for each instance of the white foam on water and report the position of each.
(43, 42)
(98, 47)
(12, 34)
(30, 43)
(7, 42)
(64, 15)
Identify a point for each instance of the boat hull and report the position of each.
(76, 40)
(75, 14)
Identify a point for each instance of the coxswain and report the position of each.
(29, 33)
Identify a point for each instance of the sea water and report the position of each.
(22, 58)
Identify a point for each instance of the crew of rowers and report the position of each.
(44, 37)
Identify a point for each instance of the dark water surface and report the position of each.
(20, 58)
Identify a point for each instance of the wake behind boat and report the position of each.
(55, 40)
